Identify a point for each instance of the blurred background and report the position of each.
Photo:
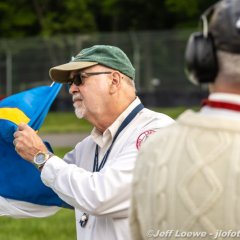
(38, 34)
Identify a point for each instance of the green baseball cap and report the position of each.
(109, 56)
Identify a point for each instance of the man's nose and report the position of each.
(73, 88)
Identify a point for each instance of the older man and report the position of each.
(186, 182)
(95, 177)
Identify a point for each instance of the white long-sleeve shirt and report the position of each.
(104, 195)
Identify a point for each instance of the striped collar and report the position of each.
(222, 104)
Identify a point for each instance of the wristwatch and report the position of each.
(40, 158)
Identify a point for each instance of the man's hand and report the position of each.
(27, 143)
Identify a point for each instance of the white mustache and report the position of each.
(76, 96)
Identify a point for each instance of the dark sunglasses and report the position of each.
(78, 78)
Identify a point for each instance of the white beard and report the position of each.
(80, 112)
(80, 109)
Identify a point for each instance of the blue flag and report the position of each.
(19, 179)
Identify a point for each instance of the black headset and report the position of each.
(201, 63)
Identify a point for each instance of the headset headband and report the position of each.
(204, 18)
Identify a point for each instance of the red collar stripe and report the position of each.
(219, 104)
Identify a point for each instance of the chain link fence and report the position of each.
(158, 58)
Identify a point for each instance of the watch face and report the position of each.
(40, 158)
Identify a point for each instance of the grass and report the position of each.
(61, 122)
(61, 151)
(61, 226)
(173, 112)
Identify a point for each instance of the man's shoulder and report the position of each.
(156, 116)
(172, 130)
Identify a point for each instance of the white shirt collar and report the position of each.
(104, 139)
(222, 97)
(225, 97)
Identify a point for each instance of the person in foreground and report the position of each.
(95, 177)
(186, 179)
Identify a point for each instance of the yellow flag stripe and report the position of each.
(14, 115)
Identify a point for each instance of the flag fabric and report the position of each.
(19, 179)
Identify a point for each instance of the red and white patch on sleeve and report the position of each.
(143, 137)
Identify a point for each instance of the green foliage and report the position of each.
(45, 17)
(73, 16)
(189, 7)
(50, 17)
(16, 18)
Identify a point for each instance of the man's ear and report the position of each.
(116, 82)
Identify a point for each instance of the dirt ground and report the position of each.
(63, 140)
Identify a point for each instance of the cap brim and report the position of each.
(61, 73)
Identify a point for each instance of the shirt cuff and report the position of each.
(51, 169)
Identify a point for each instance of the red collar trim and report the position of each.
(223, 105)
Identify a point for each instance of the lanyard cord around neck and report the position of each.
(127, 120)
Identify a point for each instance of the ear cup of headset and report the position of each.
(200, 59)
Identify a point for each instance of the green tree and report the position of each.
(45, 17)
(19, 18)
(68, 16)
(125, 15)
(187, 12)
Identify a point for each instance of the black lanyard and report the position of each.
(126, 121)
(84, 219)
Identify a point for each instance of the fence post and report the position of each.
(8, 73)
(136, 58)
